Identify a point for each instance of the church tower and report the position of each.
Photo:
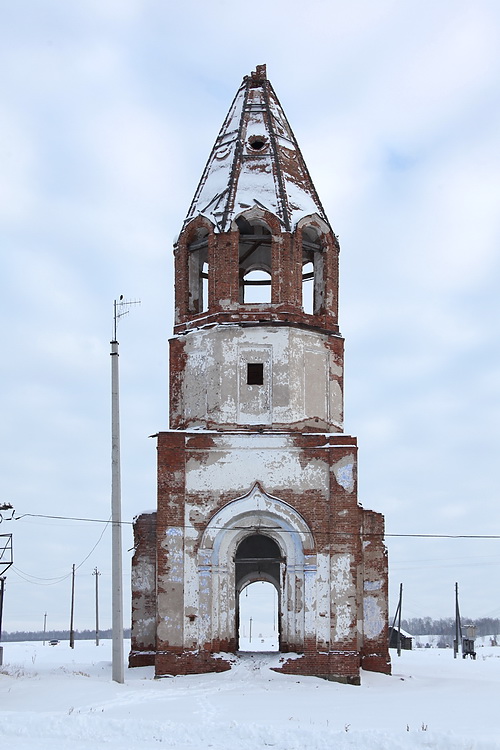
(256, 478)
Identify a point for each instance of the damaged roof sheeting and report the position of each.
(255, 161)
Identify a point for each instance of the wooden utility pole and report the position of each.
(400, 605)
(71, 630)
(458, 625)
(44, 627)
(397, 617)
(96, 574)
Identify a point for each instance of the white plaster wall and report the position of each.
(171, 590)
(322, 603)
(237, 462)
(343, 597)
(301, 380)
(143, 581)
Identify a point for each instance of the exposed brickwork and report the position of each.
(244, 459)
(189, 663)
(143, 637)
(141, 658)
(337, 667)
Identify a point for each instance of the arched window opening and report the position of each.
(257, 287)
(258, 627)
(308, 287)
(204, 284)
(254, 262)
(313, 291)
(198, 272)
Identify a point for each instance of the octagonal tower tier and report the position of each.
(256, 277)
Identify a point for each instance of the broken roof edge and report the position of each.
(224, 181)
(298, 223)
(257, 76)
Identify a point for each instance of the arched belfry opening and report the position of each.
(313, 285)
(256, 478)
(198, 271)
(255, 262)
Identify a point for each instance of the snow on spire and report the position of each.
(255, 161)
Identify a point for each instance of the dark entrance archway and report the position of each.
(258, 558)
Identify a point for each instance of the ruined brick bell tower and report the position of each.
(256, 478)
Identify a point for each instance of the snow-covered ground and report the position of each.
(55, 697)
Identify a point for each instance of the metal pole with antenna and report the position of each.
(119, 309)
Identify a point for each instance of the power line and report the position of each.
(40, 582)
(52, 581)
(68, 518)
(273, 528)
(442, 536)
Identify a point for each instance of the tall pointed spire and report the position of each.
(255, 161)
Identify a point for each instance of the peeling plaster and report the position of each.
(372, 617)
(372, 585)
(236, 469)
(341, 573)
(143, 576)
(344, 473)
(302, 380)
(260, 469)
(343, 622)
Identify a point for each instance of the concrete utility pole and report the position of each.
(116, 512)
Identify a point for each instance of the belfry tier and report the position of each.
(256, 251)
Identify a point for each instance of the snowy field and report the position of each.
(55, 697)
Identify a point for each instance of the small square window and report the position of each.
(255, 373)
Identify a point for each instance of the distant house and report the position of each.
(406, 639)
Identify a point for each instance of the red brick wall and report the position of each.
(286, 273)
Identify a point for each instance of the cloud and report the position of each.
(109, 112)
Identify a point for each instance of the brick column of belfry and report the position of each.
(256, 478)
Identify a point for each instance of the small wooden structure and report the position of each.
(468, 642)
(405, 639)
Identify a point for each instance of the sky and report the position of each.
(108, 112)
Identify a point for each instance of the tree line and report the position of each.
(446, 626)
(58, 635)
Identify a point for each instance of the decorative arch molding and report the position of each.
(315, 221)
(195, 226)
(256, 511)
(249, 514)
(250, 578)
(258, 215)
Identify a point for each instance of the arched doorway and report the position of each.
(258, 559)
(225, 568)
(258, 617)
